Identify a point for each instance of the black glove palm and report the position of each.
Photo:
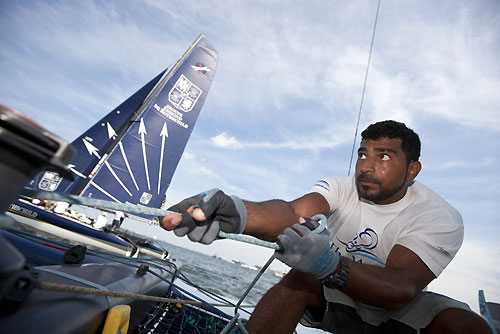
(223, 213)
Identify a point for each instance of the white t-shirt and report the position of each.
(365, 232)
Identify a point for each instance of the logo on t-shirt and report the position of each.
(444, 251)
(323, 184)
(362, 246)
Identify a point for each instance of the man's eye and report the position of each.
(385, 157)
(361, 156)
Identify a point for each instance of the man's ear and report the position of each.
(413, 169)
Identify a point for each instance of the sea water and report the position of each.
(222, 277)
(227, 279)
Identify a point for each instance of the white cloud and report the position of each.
(440, 68)
(462, 164)
(314, 142)
(223, 140)
(188, 155)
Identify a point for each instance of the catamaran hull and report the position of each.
(69, 229)
(76, 238)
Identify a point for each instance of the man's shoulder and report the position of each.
(421, 192)
(425, 198)
(336, 190)
(335, 182)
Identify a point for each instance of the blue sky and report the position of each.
(282, 110)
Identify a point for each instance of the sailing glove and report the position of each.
(223, 213)
(305, 250)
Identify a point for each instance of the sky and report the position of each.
(283, 107)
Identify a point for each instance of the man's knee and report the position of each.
(455, 320)
(304, 286)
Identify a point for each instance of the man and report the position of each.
(118, 220)
(101, 221)
(388, 237)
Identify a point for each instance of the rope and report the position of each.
(364, 88)
(95, 203)
(97, 292)
(132, 208)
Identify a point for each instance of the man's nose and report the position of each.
(366, 166)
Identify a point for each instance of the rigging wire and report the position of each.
(364, 87)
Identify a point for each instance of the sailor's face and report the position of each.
(382, 171)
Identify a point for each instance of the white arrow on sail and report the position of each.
(163, 134)
(72, 168)
(111, 131)
(116, 177)
(111, 134)
(91, 148)
(104, 191)
(142, 132)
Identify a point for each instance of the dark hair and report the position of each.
(393, 129)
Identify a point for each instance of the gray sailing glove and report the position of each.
(303, 249)
(223, 213)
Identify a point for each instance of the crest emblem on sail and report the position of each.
(50, 181)
(184, 94)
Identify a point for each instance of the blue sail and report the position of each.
(490, 311)
(131, 154)
(93, 143)
(140, 167)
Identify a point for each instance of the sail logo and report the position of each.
(200, 68)
(145, 198)
(50, 181)
(184, 94)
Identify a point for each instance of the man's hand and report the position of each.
(303, 249)
(205, 214)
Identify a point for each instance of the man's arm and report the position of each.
(390, 287)
(265, 220)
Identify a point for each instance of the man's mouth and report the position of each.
(367, 180)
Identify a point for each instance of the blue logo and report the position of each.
(362, 245)
(323, 184)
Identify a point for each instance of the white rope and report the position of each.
(132, 208)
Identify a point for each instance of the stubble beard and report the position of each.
(376, 196)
